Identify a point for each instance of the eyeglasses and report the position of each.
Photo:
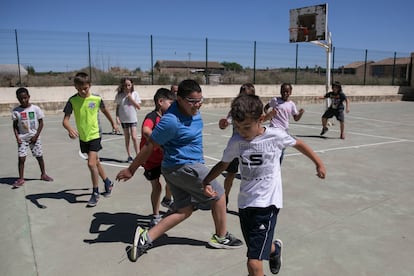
(193, 101)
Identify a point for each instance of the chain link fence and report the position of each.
(51, 59)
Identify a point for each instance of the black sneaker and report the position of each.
(108, 189)
(324, 130)
(93, 200)
(140, 244)
(130, 159)
(275, 259)
(228, 242)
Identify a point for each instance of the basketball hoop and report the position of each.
(298, 34)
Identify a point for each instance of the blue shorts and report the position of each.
(128, 125)
(338, 113)
(185, 183)
(258, 227)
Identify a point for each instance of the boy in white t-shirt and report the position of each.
(260, 198)
(27, 125)
(127, 102)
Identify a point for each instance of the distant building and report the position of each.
(12, 70)
(356, 68)
(179, 66)
(385, 68)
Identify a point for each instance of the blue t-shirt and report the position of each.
(180, 137)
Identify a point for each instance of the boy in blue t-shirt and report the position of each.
(179, 132)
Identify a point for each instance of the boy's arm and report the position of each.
(306, 150)
(109, 117)
(39, 129)
(139, 160)
(346, 105)
(299, 115)
(16, 131)
(214, 172)
(73, 133)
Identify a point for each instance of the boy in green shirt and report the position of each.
(86, 108)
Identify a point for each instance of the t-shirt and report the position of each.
(126, 110)
(180, 136)
(261, 180)
(285, 109)
(86, 115)
(150, 121)
(336, 99)
(28, 120)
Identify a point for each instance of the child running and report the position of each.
(260, 198)
(27, 126)
(179, 132)
(162, 100)
(86, 108)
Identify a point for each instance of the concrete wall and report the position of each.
(53, 99)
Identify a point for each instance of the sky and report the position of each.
(356, 24)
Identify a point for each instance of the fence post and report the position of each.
(18, 58)
(296, 65)
(254, 63)
(206, 69)
(393, 68)
(152, 61)
(365, 66)
(89, 56)
(333, 65)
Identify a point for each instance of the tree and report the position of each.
(232, 66)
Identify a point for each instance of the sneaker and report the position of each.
(108, 189)
(140, 244)
(130, 159)
(275, 260)
(93, 200)
(155, 220)
(45, 177)
(227, 242)
(324, 130)
(18, 183)
(167, 203)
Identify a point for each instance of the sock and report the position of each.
(149, 240)
(95, 190)
(107, 181)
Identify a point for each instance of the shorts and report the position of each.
(128, 125)
(92, 145)
(36, 148)
(338, 113)
(185, 183)
(153, 173)
(233, 166)
(258, 227)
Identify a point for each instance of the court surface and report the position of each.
(358, 221)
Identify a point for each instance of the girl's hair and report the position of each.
(81, 78)
(284, 84)
(337, 84)
(186, 87)
(246, 106)
(163, 93)
(22, 90)
(121, 86)
(247, 88)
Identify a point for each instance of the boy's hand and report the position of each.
(73, 133)
(208, 191)
(223, 123)
(124, 175)
(321, 172)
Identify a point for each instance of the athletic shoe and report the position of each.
(155, 220)
(324, 130)
(167, 203)
(18, 183)
(130, 159)
(108, 189)
(275, 259)
(227, 242)
(45, 177)
(140, 244)
(93, 200)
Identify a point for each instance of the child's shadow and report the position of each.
(65, 194)
(122, 228)
(10, 180)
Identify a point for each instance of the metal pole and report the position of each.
(89, 55)
(206, 69)
(296, 65)
(152, 63)
(328, 62)
(393, 68)
(365, 65)
(18, 58)
(254, 63)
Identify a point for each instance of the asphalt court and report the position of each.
(358, 221)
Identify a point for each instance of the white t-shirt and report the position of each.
(126, 110)
(261, 180)
(28, 120)
(285, 109)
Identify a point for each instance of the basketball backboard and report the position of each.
(308, 24)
